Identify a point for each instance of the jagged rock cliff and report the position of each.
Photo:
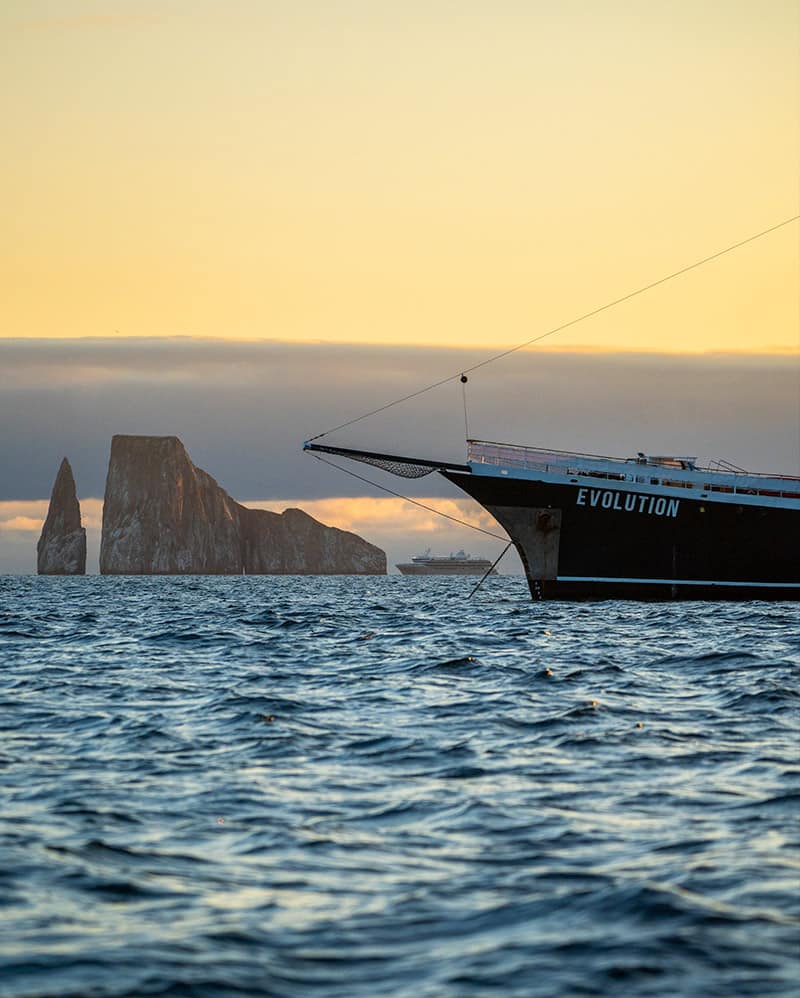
(62, 546)
(294, 543)
(162, 515)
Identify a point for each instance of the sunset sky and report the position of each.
(421, 176)
(431, 172)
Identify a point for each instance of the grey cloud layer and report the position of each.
(244, 409)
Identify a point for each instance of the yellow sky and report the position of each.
(455, 173)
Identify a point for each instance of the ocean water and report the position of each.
(369, 786)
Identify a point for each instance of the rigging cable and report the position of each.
(489, 571)
(464, 380)
(399, 495)
(563, 326)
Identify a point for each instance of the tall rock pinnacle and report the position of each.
(62, 547)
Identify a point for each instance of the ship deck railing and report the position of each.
(663, 471)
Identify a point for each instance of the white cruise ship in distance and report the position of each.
(453, 564)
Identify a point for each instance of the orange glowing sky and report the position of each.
(401, 527)
(431, 172)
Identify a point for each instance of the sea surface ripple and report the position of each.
(363, 786)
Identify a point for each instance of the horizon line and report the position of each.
(581, 348)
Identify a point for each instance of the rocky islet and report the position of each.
(162, 515)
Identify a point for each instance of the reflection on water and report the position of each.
(270, 786)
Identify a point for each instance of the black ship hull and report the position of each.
(649, 528)
(579, 542)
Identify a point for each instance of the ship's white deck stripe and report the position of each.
(697, 494)
(677, 582)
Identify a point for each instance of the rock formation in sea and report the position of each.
(62, 546)
(164, 516)
(294, 543)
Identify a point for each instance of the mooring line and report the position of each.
(489, 572)
(399, 495)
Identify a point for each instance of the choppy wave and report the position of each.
(281, 786)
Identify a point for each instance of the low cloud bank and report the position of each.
(243, 409)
